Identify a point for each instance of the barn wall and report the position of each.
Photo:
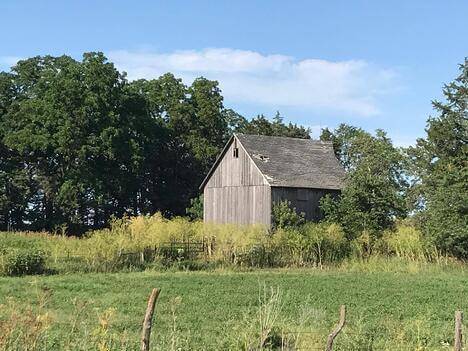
(303, 199)
(238, 204)
(237, 192)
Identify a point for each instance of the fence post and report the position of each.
(146, 332)
(338, 328)
(458, 343)
(212, 245)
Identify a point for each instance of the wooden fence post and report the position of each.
(146, 332)
(338, 328)
(458, 343)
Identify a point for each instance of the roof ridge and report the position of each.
(318, 141)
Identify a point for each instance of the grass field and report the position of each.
(224, 309)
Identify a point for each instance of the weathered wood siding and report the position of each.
(236, 191)
(305, 200)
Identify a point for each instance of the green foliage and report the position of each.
(440, 165)
(73, 124)
(285, 216)
(376, 183)
(195, 211)
(313, 244)
(262, 126)
(14, 262)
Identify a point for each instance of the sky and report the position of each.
(372, 64)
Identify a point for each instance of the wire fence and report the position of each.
(339, 334)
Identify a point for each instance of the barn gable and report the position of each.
(234, 170)
(235, 191)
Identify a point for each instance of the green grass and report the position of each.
(386, 310)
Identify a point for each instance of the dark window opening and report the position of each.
(235, 152)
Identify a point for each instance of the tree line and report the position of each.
(80, 144)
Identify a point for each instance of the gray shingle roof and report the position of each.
(293, 162)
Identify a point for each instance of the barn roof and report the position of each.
(292, 162)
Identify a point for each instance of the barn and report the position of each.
(255, 171)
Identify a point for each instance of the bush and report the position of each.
(195, 210)
(23, 262)
(285, 216)
(312, 244)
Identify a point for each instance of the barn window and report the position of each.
(302, 194)
(235, 152)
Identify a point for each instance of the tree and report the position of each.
(195, 129)
(15, 178)
(260, 125)
(343, 139)
(374, 192)
(441, 169)
(80, 133)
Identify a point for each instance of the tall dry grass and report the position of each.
(311, 244)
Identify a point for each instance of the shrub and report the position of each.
(312, 244)
(23, 262)
(285, 216)
(363, 245)
(195, 210)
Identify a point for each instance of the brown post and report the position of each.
(146, 332)
(458, 343)
(338, 328)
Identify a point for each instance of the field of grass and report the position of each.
(408, 310)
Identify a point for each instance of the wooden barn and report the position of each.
(254, 171)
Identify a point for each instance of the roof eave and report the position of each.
(306, 187)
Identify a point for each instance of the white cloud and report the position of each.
(274, 80)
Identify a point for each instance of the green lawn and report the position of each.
(385, 310)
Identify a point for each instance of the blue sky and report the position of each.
(373, 64)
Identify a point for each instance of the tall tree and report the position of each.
(76, 128)
(195, 131)
(441, 169)
(15, 179)
(376, 184)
